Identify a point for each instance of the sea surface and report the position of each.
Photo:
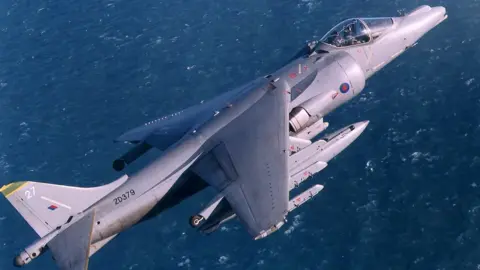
(406, 195)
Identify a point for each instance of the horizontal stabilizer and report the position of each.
(304, 197)
(98, 245)
(71, 247)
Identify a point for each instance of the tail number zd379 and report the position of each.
(125, 196)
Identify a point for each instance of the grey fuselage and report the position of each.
(314, 81)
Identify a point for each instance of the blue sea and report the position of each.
(406, 195)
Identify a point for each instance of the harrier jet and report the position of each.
(253, 145)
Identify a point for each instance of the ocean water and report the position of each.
(76, 74)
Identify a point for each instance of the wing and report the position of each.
(166, 130)
(249, 165)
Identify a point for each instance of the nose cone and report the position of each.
(423, 19)
(361, 126)
(420, 9)
(18, 261)
(435, 16)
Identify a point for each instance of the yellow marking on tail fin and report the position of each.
(9, 189)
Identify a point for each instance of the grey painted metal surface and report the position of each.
(303, 164)
(253, 144)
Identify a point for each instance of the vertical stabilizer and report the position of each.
(45, 206)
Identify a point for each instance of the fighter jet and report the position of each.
(253, 145)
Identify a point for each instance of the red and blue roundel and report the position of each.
(344, 87)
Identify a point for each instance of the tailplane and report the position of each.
(71, 247)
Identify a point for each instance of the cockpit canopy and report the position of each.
(356, 31)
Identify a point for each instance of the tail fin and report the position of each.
(46, 206)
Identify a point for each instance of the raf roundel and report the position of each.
(344, 87)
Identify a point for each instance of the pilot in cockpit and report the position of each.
(338, 40)
(357, 31)
(349, 35)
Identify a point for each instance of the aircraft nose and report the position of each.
(420, 9)
(424, 18)
(427, 9)
(439, 13)
(434, 17)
